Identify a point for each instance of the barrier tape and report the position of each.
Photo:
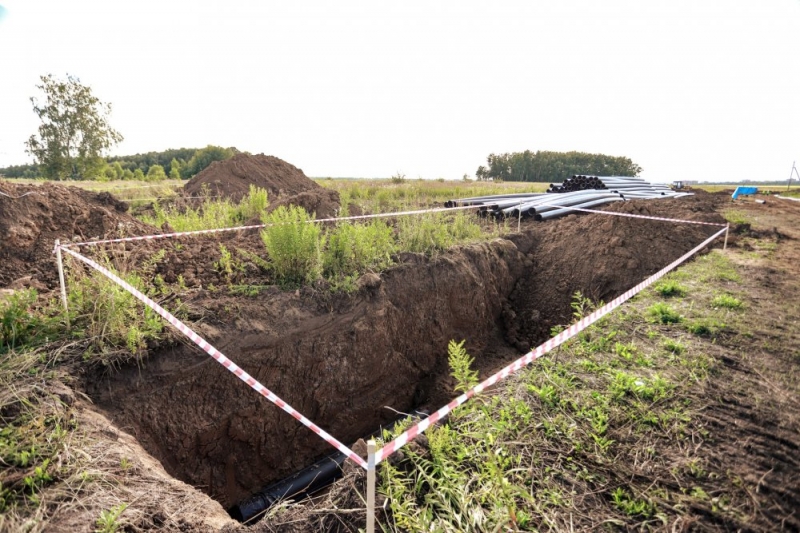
(256, 226)
(631, 215)
(534, 354)
(222, 359)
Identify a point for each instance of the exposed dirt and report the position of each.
(285, 183)
(32, 217)
(340, 361)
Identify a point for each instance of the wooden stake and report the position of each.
(60, 262)
(371, 486)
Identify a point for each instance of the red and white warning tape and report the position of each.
(257, 226)
(222, 359)
(631, 215)
(534, 354)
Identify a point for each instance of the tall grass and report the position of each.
(212, 214)
(294, 244)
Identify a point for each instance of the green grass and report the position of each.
(670, 288)
(727, 301)
(663, 314)
(567, 432)
(212, 214)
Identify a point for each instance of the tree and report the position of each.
(553, 166)
(74, 132)
(202, 158)
(156, 173)
(175, 169)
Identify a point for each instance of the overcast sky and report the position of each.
(696, 89)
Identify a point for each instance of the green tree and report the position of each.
(553, 166)
(174, 169)
(138, 175)
(202, 158)
(156, 173)
(74, 132)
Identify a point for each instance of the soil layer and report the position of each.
(343, 361)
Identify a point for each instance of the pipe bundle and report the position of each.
(561, 199)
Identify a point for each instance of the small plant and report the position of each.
(108, 522)
(663, 314)
(670, 288)
(582, 305)
(460, 363)
(547, 394)
(674, 347)
(726, 301)
(294, 245)
(18, 322)
(630, 505)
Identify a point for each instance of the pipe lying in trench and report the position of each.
(301, 484)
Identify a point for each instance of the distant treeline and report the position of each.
(180, 163)
(553, 166)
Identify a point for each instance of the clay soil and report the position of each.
(351, 362)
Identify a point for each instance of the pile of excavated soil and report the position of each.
(285, 183)
(341, 361)
(32, 217)
(602, 256)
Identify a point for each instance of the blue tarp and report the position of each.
(744, 190)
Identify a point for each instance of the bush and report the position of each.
(294, 244)
(354, 249)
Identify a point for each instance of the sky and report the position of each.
(688, 89)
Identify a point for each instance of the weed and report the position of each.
(674, 347)
(108, 522)
(736, 217)
(108, 314)
(727, 301)
(670, 288)
(354, 249)
(18, 321)
(631, 506)
(460, 363)
(662, 313)
(294, 245)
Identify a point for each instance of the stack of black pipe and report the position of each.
(577, 183)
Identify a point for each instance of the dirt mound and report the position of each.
(32, 217)
(285, 183)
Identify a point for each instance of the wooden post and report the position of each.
(60, 262)
(725, 245)
(371, 486)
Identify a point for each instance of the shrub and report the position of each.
(354, 249)
(253, 205)
(294, 244)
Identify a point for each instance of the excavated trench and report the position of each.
(350, 363)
